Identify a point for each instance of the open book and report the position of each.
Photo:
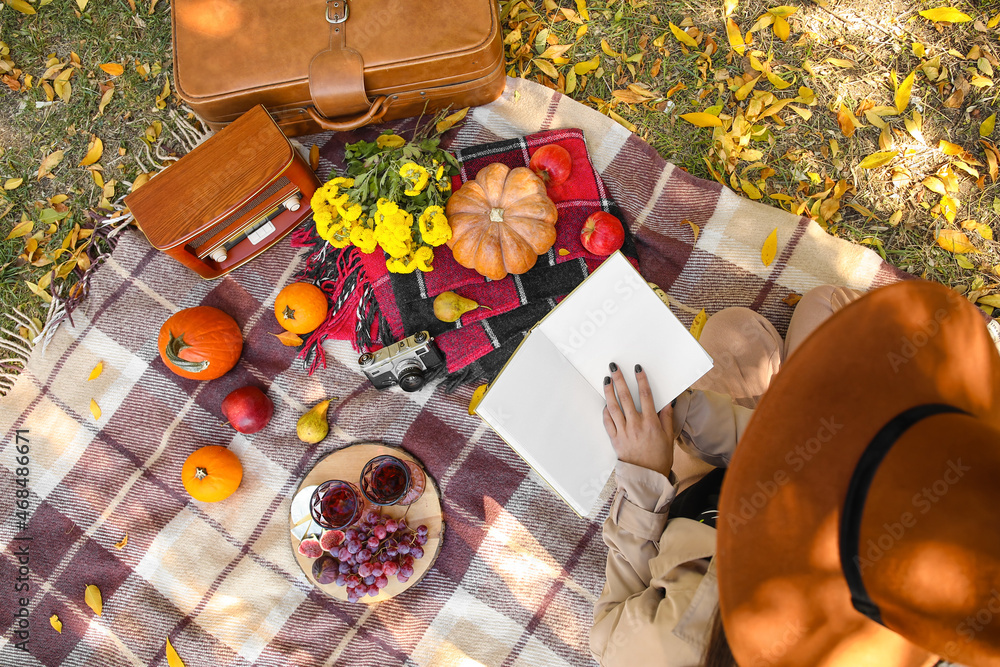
(548, 400)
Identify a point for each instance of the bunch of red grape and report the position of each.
(363, 557)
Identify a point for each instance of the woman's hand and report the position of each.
(640, 438)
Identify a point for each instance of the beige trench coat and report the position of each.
(661, 593)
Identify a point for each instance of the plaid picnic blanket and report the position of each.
(393, 306)
(518, 572)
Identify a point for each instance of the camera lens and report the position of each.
(410, 375)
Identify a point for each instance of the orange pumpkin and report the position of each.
(201, 343)
(300, 307)
(501, 221)
(212, 473)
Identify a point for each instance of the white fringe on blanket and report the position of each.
(188, 137)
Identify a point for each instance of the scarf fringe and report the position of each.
(339, 272)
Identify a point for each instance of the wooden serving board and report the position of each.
(346, 464)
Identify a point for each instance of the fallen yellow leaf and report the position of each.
(735, 36)
(876, 160)
(980, 228)
(95, 409)
(949, 208)
(608, 51)
(477, 396)
(21, 6)
(846, 120)
(747, 88)
(581, 8)
(55, 623)
(953, 240)
(750, 189)
(389, 141)
(949, 14)
(173, 659)
(449, 121)
(702, 119)
(288, 338)
(770, 248)
(781, 28)
(682, 36)
(991, 300)
(114, 69)
(105, 98)
(903, 92)
(96, 373)
(12, 183)
(49, 163)
(563, 252)
(783, 12)
(934, 184)
(94, 151)
(587, 66)
(92, 596)
(120, 544)
(21, 229)
(698, 324)
(694, 228)
(313, 157)
(987, 126)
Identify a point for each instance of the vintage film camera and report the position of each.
(406, 363)
(228, 200)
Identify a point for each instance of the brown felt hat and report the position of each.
(859, 521)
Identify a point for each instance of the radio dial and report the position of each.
(219, 255)
(292, 203)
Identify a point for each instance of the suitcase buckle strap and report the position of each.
(337, 11)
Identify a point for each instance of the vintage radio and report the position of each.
(229, 199)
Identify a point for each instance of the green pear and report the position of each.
(448, 306)
(312, 426)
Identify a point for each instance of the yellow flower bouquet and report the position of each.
(391, 196)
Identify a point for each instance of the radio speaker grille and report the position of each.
(270, 191)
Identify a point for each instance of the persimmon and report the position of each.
(300, 307)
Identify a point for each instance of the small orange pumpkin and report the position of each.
(300, 307)
(212, 473)
(501, 221)
(201, 343)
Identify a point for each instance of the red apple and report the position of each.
(248, 409)
(602, 233)
(552, 163)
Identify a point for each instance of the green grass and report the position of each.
(32, 128)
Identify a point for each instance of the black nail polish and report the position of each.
(607, 380)
(638, 368)
(613, 366)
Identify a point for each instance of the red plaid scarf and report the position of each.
(372, 307)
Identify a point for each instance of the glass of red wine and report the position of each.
(336, 504)
(385, 480)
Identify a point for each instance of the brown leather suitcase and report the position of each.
(335, 64)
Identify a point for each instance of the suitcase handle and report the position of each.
(373, 115)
